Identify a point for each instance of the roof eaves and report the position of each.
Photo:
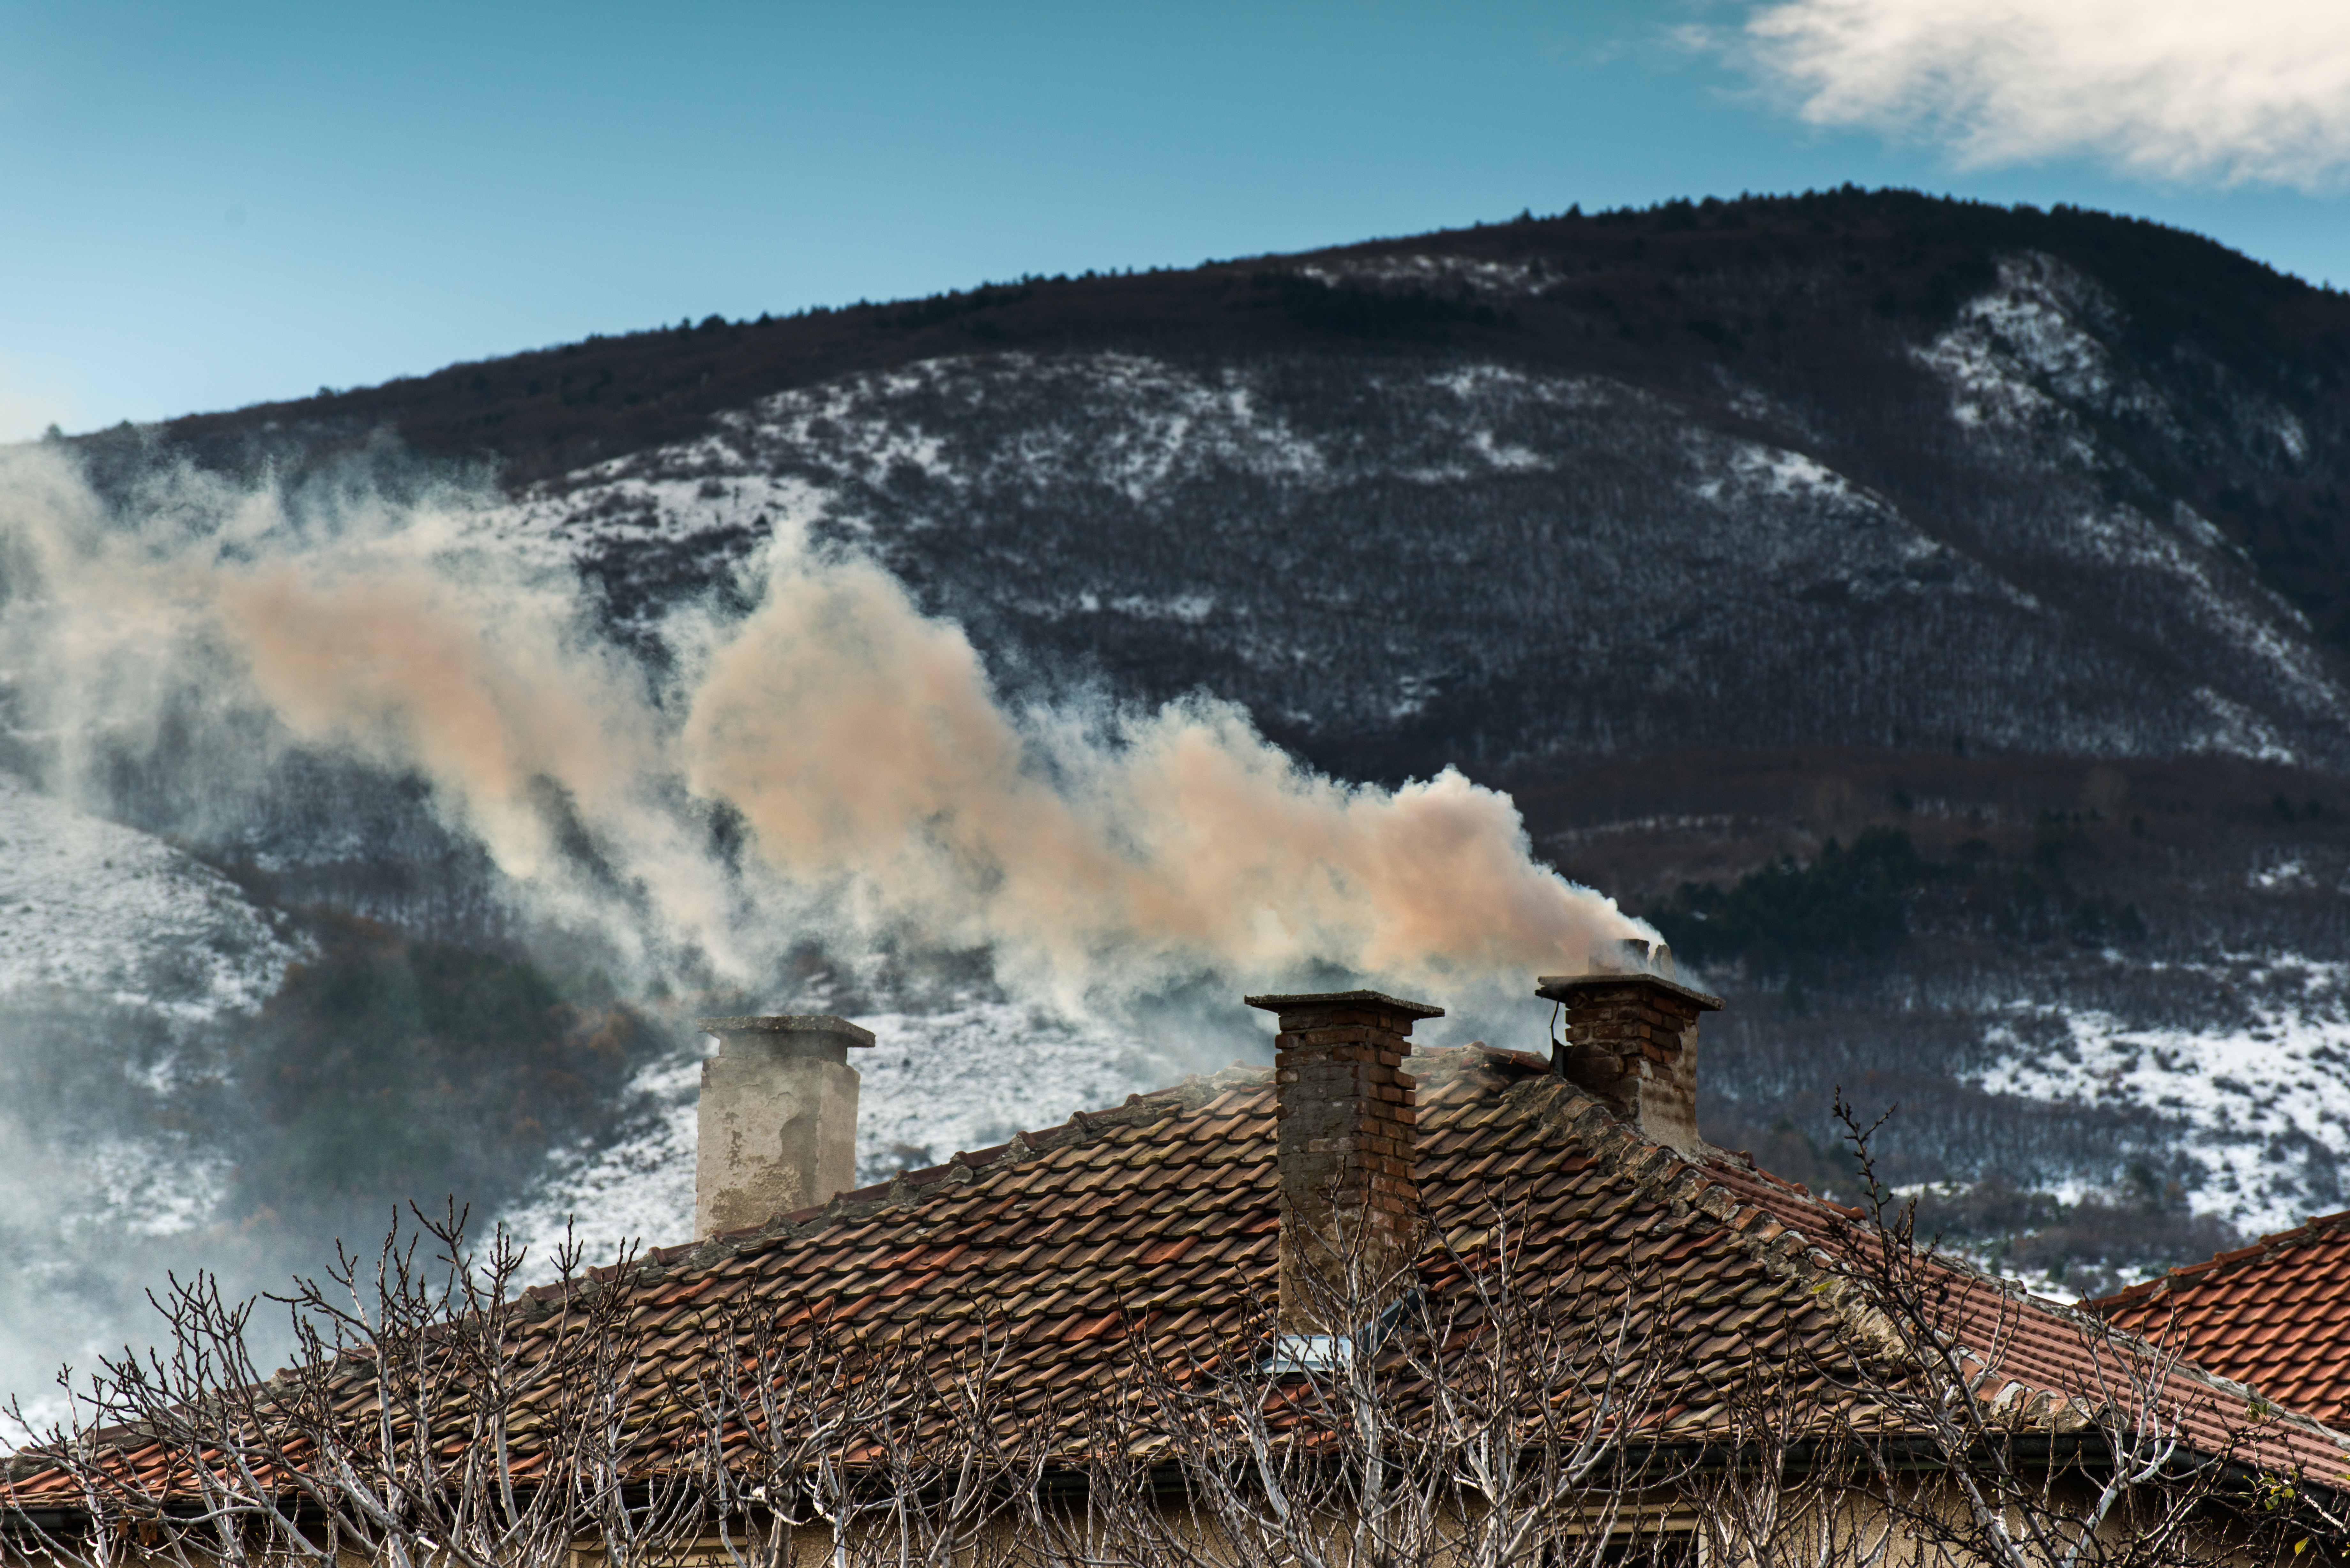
(1800, 1258)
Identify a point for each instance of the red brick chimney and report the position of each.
(1631, 1042)
(1349, 1192)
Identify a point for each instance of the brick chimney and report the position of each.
(1349, 1192)
(1631, 1041)
(777, 1119)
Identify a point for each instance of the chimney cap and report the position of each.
(1563, 987)
(1341, 998)
(788, 1023)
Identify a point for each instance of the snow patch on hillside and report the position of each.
(108, 913)
(124, 967)
(2265, 1102)
(1171, 425)
(1789, 475)
(1190, 609)
(1494, 278)
(1988, 387)
(2040, 313)
(1773, 491)
(2238, 732)
(634, 1189)
(150, 1187)
(602, 514)
(2018, 355)
(972, 1076)
(2213, 584)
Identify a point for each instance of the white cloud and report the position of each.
(2244, 91)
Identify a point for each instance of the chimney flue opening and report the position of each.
(1630, 1040)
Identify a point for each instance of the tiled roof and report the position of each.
(2047, 1349)
(1163, 1216)
(2274, 1315)
(1159, 1219)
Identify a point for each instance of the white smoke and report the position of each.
(885, 792)
(2256, 91)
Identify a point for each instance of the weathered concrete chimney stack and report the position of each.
(1631, 1041)
(778, 1118)
(1349, 1196)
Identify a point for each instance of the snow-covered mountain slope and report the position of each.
(94, 910)
(122, 962)
(2262, 1100)
(1507, 562)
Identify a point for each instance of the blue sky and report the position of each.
(212, 206)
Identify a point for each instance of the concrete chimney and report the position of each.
(1631, 1040)
(778, 1118)
(1345, 1140)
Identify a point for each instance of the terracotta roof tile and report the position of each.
(1168, 1207)
(2274, 1315)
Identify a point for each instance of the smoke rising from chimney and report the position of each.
(882, 788)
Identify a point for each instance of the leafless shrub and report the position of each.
(1477, 1413)
(1474, 1411)
(418, 1423)
(1973, 1427)
(890, 1448)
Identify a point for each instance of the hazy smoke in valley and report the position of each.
(856, 750)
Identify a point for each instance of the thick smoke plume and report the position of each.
(832, 763)
(260, 671)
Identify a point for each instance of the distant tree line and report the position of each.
(1851, 904)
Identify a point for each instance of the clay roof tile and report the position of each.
(1170, 1207)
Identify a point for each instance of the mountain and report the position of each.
(1846, 469)
(1936, 616)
